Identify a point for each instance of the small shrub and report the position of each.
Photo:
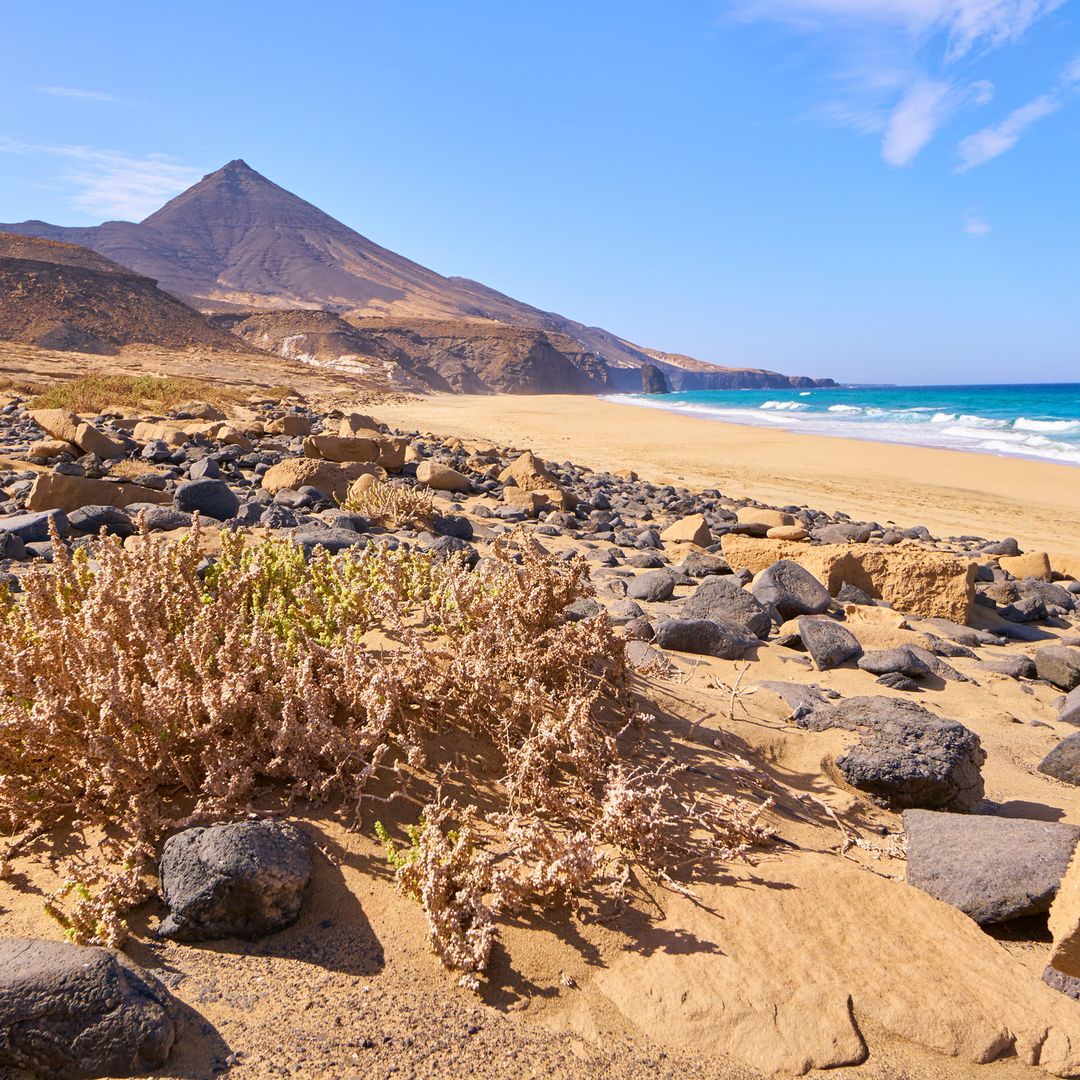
(138, 696)
(91, 393)
(394, 506)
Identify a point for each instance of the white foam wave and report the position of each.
(781, 406)
(845, 408)
(1022, 423)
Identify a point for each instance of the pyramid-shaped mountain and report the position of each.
(236, 240)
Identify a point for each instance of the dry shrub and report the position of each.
(137, 697)
(91, 393)
(394, 506)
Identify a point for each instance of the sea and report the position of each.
(1040, 420)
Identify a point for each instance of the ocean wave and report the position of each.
(1022, 423)
(844, 409)
(781, 406)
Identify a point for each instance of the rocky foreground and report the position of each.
(919, 693)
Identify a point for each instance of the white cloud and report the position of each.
(992, 141)
(987, 144)
(70, 92)
(110, 184)
(966, 23)
(914, 121)
(895, 69)
(975, 224)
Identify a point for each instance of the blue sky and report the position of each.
(878, 190)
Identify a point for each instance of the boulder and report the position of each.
(991, 868)
(1069, 707)
(45, 449)
(442, 477)
(148, 431)
(787, 532)
(841, 533)
(1060, 665)
(762, 515)
(928, 584)
(329, 477)
(654, 586)
(653, 380)
(719, 637)
(68, 427)
(529, 472)
(68, 1011)
(906, 758)
(243, 880)
(212, 498)
(692, 529)
(532, 501)
(355, 423)
(55, 491)
(1063, 762)
(1032, 564)
(292, 425)
(34, 528)
(92, 519)
(723, 596)
(1065, 923)
(902, 659)
(828, 643)
(789, 590)
(341, 448)
(700, 564)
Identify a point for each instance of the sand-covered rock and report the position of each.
(991, 868)
(330, 477)
(442, 477)
(1032, 564)
(915, 581)
(341, 448)
(70, 428)
(693, 529)
(56, 491)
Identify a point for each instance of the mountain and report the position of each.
(237, 241)
(61, 296)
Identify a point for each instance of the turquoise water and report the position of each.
(1036, 421)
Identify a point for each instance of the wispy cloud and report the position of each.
(895, 62)
(111, 184)
(71, 92)
(975, 224)
(992, 141)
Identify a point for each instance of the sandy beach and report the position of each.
(946, 490)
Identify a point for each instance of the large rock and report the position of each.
(68, 1011)
(789, 590)
(68, 427)
(906, 758)
(1065, 922)
(241, 880)
(292, 425)
(653, 586)
(762, 515)
(829, 643)
(529, 473)
(693, 529)
(329, 477)
(1069, 707)
(55, 491)
(442, 477)
(92, 519)
(902, 659)
(1033, 564)
(722, 596)
(34, 528)
(341, 448)
(1059, 664)
(653, 380)
(212, 498)
(991, 868)
(928, 584)
(720, 637)
(1063, 762)
(150, 431)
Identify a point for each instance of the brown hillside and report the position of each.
(60, 296)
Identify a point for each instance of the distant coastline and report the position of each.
(1037, 421)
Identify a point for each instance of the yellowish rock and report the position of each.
(330, 477)
(442, 477)
(787, 532)
(50, 448)
(54, 491)
(693, 529)
(291, 425)
(761, 515)
(1068, 566)
(928, 584)
(341, 448)
(1065, 922)
(148, 431)
(68, 427)
(355, 423)
(1032, 564)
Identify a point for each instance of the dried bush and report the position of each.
(91, 393)
(393, 506)
(138, 696)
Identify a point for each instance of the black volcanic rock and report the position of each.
(652, 380)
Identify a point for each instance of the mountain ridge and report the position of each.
(237, 241)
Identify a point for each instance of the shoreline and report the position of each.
(949, 491)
